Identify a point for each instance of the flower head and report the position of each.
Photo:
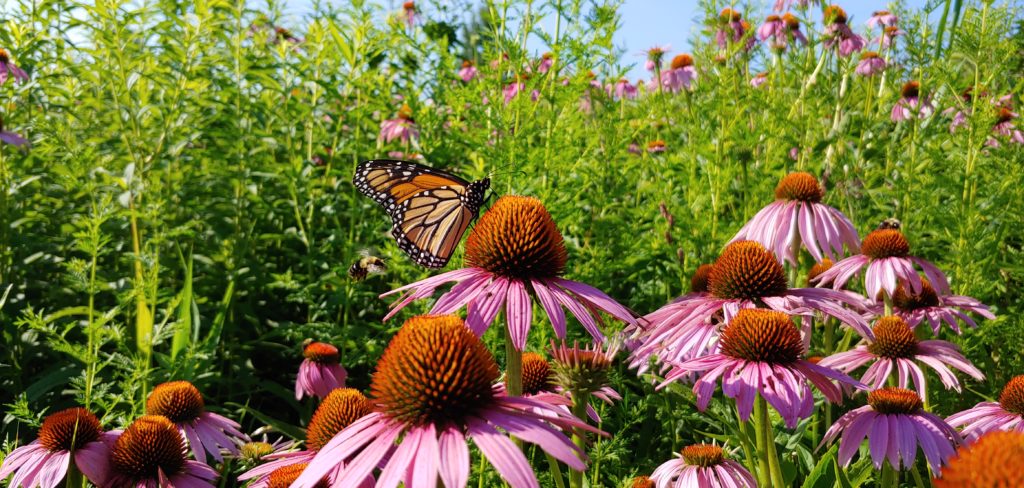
(514, 248)
(703, 465)
(654, 56)
(893, 348)
(656, 146)
(927, 304)
(641, 482)
(434, 388)
(585, 369)
(870, 64)
(410, 14)
(11, 137)
(910, 104)
(886, 255)
(320, 371)
(679, 76)
(798, 216)
(1006, 414)
(402, 127)
(838, 33)
(205, 432)
(761, 353)
(467, 72)
(882, 18)
(152, 449)
(895, 425)
(9, 69)
(889, 35)
(73, 435)
(994, 460)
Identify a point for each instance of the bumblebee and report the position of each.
(890, 223)
(366, 265)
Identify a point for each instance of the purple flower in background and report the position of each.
(936, 309)
(434, 390)
(655, 55)
(67, 436)
(151, 453)
(634, 148)
(9, 69)
(838, 33)
(1004, 126)
(320, 371)
(731, 28)
(781, 5)
(745, 276)
(623, 90)
(546, 61)
(886, 255)
(10, 137)
(514, 252)
(911, 104)
(1005, 415)
(702, 466)
(679, 76)
(761, 353)
(513, 89)
(781, 30)
(402, 128)
(893, 348)
(204, 432)
(895, 425)
(889, 35)
(656, 146)
(882, 18)
(870, 64)
(410, 14)
(758, 79)
(467, 72)
(339, 409)
(797, 216)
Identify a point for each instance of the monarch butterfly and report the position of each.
(430, 209)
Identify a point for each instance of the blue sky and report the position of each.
(647, 23)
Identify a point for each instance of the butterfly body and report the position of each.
(430, 209)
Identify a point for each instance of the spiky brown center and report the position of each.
(773, 18)
(799, 186)
(791, 21)
(405, 113)
(911, 89)
(879, 13)
(536, 374)
(703, 455)
(179, 401)
(321, 352)
(4, 57)
(895, 401)
(409, 6)
(729, 15)
(341, 407)
(254, 451)
(763, 336)
(818, 269)
(894, 338)
(434, 371)
(582, 369)
(907, 300)
(682, 61)
(835, 14)
(699, 282)
(467, 63)
(284, 476)
(868, 55)
(885, 243)
(1012, 397)
(517, 238)
(150, 444)
(891, 31)
(995, 460)
(642, 482)
(656, 145)
(69, 429)
(746, 270)
(1005, 115)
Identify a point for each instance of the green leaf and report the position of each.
(186, 304)
(824, 474)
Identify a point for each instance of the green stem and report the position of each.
(74, 477)
(556, 471)
(579, 437)
(890, 478)
(769, 444)
(748, 450)
(888, 304)
(763, 478)
(513, 366)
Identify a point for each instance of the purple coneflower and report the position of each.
(889, 35)
(781, 5)
(911, 104)
(994, 460)
(402, 127)
(882, 18)
(744, 276)
(895, 424)
(758, 79)
(761, 353)
(731, 28)
(702, 466)
(513, 89)
(634, 148)
(256, 452)
(320, 371)
(655, 55)
(870, 64)
(9, 69)
(623, 90)
(1004, 127)
(781, 30)
(539, 382)
(886, 254)
(1006, 414)
(584, 371)
(690, 342)
(10, 137)
(151, 453)
(797, 216)
(680, 74)
(515, 248)
(838, 33)
(894, 349)
(410, 14)
(656, 146)
(205, 432)
(467, 72)
(341, 408)
(434, 389)
(937, 309)
(642, 482)
(69, 436)
(546, 61)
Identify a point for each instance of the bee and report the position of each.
(890, 223)
(366, 265)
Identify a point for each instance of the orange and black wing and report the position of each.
(430, 209)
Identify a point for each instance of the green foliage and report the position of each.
(185, 210)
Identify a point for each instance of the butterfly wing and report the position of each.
(430, 209)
